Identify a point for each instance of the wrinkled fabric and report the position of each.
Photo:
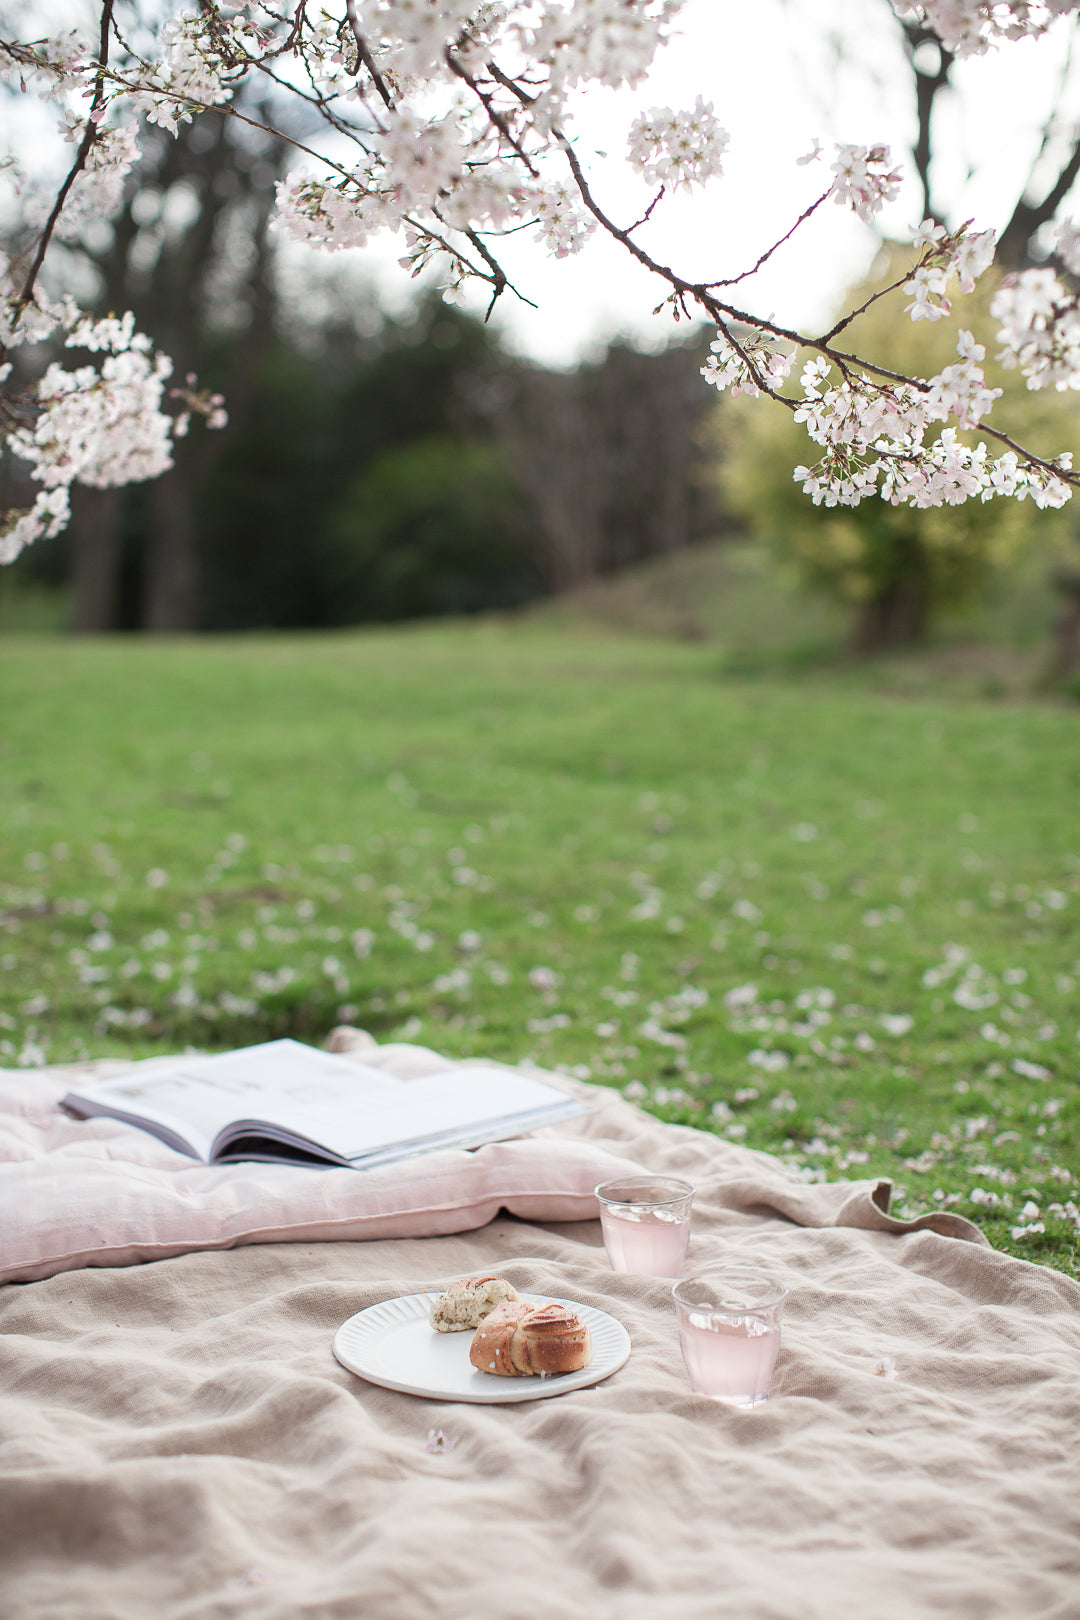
(177, 1440)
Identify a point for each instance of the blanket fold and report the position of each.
(102, 1193)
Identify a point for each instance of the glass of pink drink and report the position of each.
(646, 1223)
(729, 1329)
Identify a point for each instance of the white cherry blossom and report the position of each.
(864, 179)
(960, 390)
(927, 286)
(329, 216)
(928, 235)
(727, 368)
(449, 121)
(561, 225)
(974, 254)
(971, 27)
(423, 157)
(1040, 329)
(1067, 245)
(98, 190)
(678, 149)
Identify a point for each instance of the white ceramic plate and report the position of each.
(394, 1344)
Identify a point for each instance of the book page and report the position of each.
(457, 1102)
(286, 1083)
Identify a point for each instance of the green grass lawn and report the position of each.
(831, 924)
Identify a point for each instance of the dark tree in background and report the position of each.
(364, 485)
(422, 470)
(610, 458)
(373, 470)
(1052, 175)
(190, 255)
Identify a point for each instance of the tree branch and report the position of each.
(365, 55)
(744, 275)
(496, 117)
(88, 139)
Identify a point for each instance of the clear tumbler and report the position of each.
(729, 1329)
(646, 1223)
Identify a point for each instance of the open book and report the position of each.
(284, 1102)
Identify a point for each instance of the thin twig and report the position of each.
(846, 320)
(647, 215)
(496, 117)
(744, 275)
(321, 104)
(228, 110)
(500, 281)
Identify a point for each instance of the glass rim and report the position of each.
(603, 1191)
(765, 1293)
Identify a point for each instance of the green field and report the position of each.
(830, 923)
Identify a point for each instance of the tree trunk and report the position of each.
(171, 568)
(96, 555)
(1066, 659)
(895, 617)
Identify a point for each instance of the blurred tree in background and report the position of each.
(610, 457)
(433, 527)
(373, 468)
(190, 254)
(345, 454)
(898, 567)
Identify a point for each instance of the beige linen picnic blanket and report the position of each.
(177, 1441)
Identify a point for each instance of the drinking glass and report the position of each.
(646, 1223)
(729, 1329)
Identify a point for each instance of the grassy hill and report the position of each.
(761, 619)
(791, 910)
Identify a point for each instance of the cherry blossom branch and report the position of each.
(89, 136)
(458, 169)
(365, 55)
(1030, 459)
(229, 110)
(724, 314)
(496, 117)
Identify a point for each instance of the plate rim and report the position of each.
(508, 1390)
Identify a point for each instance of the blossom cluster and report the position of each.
(755, 363)
(873, 430)
(1040, 329)
(196, 69)
(678, 149)
(970, 27)
(98, 189)
(864, 179)
(960, 390)
(451, 120)
(967, 254)
(101, 425)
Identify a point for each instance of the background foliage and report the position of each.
(895, 567)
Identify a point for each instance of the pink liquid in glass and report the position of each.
(731, 1361)
(652, 1243)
